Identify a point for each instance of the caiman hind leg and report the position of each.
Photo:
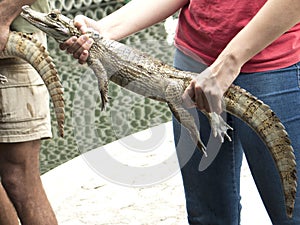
(102, 79)
(173, 95)
(218, 126)
(174, 98)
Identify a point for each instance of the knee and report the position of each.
(19, 183)
(14, 184)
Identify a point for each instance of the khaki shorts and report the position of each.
(24, 103)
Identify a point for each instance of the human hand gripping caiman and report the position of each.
(137, 72)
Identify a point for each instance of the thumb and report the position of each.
(83, 23)
(80, 24)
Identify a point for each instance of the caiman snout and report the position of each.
(25, 7)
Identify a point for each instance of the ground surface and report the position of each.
(80, 195)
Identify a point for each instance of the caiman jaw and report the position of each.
(54, 24)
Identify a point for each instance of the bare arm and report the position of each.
(9, 10)
(274, 18)
(133, 17)
(137, 15)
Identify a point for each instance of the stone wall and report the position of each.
(86, 126)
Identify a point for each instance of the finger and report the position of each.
(188, 97)
(83, 23)
(77, 45)
(217, 106)
(79, 19)
(213, 103)
(65, 45)
(79, 23)
(83, 48)
(200, 98)
(216, 100)
(83, 57)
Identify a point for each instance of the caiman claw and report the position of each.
(219, 126)
(3, 79)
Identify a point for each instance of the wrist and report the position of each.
(112, 31)
(107, 30)
(225, 69)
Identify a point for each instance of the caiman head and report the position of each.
(54, 23)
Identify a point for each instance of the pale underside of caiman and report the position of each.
(24, 46)
(137, 72)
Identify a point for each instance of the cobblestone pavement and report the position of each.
(79, 195)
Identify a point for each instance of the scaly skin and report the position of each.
(25, 47)
(137, 72)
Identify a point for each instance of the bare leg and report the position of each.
(19, 169)
(8, 215)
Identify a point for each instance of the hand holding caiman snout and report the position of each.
(137, 72)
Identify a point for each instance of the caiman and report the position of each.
(144, 75)
(26, 47)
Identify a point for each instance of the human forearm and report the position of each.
(9, 10)
(275, 18)
(131, 18)
(137, 15)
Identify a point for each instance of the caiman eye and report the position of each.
(53, 15)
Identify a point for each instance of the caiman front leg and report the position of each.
(3, 79)
(102, 78)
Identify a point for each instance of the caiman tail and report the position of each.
(268, 127)
(257, 115)
(25, 47)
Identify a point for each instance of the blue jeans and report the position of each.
(213, 195)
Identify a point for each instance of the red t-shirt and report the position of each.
(206, 26)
